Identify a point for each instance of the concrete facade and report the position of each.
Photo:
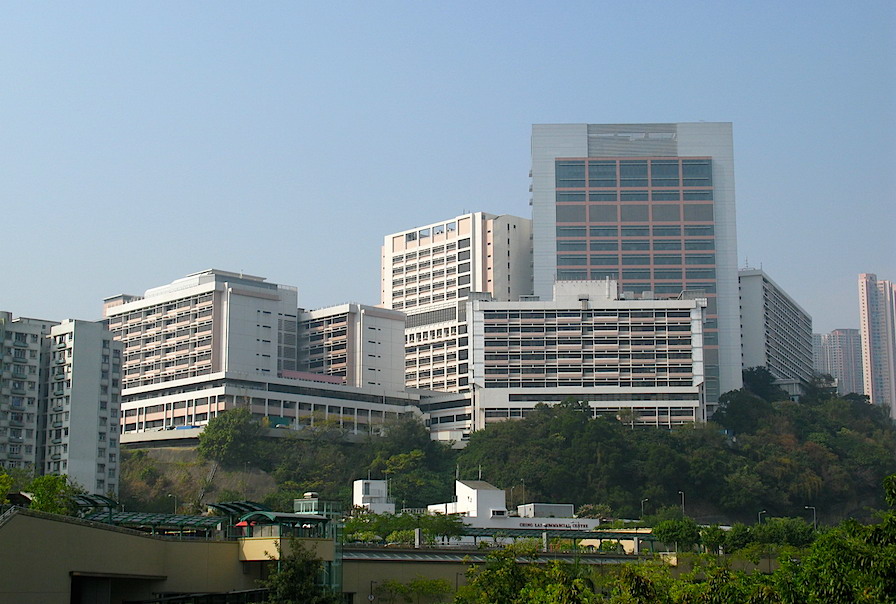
(776, 332)
(877, 324)
(649, 205)
(23, 389)
(363, 345)
(639, 359)
(428, 272)
(839, 354)
(373, 495)
(205, 323)
(83, 406)
(59, 400)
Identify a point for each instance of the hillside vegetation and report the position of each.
(825, 452)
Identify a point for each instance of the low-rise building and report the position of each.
(482, 505)
(373, 495)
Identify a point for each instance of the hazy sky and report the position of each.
(140, 142)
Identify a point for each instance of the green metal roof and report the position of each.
(536, 533)
(281, 517)
(94, 501)
(156, 521)
(238, 508)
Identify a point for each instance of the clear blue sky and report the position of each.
(140, 142)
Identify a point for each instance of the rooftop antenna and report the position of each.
(480, 471)
(457, 472)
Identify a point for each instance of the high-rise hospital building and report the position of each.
(649, 205)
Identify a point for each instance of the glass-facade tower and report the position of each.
(649, 205)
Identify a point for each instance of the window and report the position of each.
(698, 212)
(570, 213)
(666, 212)
(604, 231)
(570, 246)
(604, 260)
(603, 213)
(696, 172)
(569, 174)
(571, 260)
(602, 196)
(664, 173)
(633, 213)
(566, 231)
(633, 173)
(601, 174)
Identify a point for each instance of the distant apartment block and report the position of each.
(877, 320)
(428, 272)
(59, 400)
(651, 206)
(776, 332)
(639, 359)
(362, 345)
(23, 389)
(839, 354)
(83, 405)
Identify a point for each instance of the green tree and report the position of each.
(6, 482)
(760, 382)
(53, 493)
(712, 537)
(501, 578)
(295, 578)
(684, 533)
(231, 438)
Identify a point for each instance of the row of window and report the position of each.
(694, 230)
(628, 173)
(636, 212)
(613, 196)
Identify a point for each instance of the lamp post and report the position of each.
(814, 517)
(682, 502)
(175, 502)
(642, 506)
(760, 516)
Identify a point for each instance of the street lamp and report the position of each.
(642, 506)
(175, 502)
(760, 516)
(682, 502)
(814, 517)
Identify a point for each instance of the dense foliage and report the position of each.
(851, 563)
(321, 459)
(823, 452)
(295, 578)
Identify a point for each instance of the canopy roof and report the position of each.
(238, 508)
(268, 517)
(156, 521)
